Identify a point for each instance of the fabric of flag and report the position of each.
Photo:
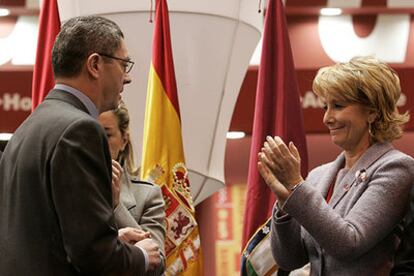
(278, 112)
(49, 27)
(256, 258)
(163, 155)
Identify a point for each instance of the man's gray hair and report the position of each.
(80, 37)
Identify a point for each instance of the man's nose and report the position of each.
(127, 79)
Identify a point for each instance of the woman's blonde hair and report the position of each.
(125, 157)
(371, 83)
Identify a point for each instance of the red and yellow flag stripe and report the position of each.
(163, 156)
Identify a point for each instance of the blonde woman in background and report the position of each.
(138, 204)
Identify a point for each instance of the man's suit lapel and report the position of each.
(365, 161)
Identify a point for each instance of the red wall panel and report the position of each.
(15, 99)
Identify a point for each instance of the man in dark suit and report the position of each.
(56, 213)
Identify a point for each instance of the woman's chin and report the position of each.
(337, 141)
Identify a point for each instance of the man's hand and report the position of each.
(116, 182)
(132, 235)
(153, 251)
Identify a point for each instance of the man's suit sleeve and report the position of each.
(80, 186)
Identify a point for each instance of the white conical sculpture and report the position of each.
(212, 42)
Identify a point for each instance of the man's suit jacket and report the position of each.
(56, 215)
(142, 206)
(358, 231)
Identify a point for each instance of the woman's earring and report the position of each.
(369, 129)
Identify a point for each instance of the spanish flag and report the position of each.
(163, 155)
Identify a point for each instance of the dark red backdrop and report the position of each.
(243, 118)
(15, 98)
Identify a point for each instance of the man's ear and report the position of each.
(93, 65)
